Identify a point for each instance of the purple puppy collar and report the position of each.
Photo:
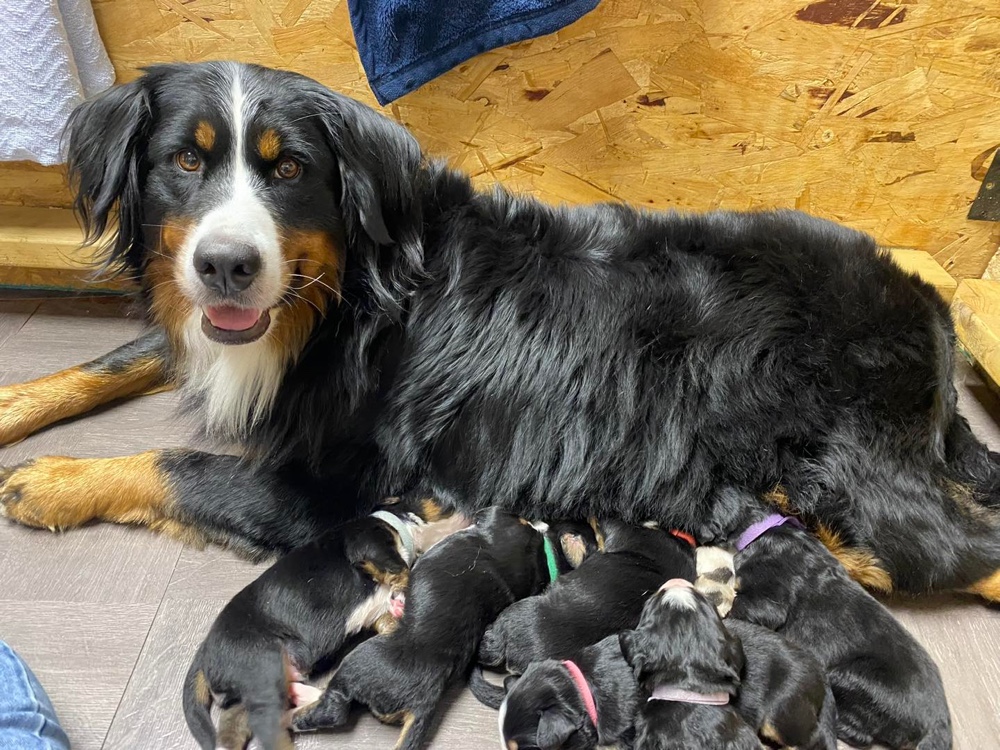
(758, 529)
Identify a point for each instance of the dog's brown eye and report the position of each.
(188, 160)
(287, 169)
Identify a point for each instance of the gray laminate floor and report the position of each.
(108, 617)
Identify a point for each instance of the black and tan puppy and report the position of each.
(783, 694)
(554, 703)
(887, 688)
(688, 667)
(298, 614)
(602, 597)
(456, 590)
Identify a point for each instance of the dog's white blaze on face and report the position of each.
(681, 597)
(238, 382)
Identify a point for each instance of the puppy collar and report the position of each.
(757, 530)
(584, 689)
(550, 559)
(668, 693)
(402, 528)
(683, 535)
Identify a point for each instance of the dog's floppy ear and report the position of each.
(380, 170)
(106, 159)
(554, 728)
(630, 642)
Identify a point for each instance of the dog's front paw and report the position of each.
(47, 493)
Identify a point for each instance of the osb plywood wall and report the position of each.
(877, 114)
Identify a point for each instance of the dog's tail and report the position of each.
(197, 702)
(267, 700)
(486, 692)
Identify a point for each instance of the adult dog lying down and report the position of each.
(359, 318)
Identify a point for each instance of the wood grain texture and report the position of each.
(976, 312)
(878, 115)
(83, 654)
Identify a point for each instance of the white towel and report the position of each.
(51, 59)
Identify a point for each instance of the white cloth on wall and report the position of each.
(51, 59)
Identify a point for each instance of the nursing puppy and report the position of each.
(298, 614)
(554, 703)
(456, 590)
(784, 694)
(887, 689)
(688, 667)
(600, 598)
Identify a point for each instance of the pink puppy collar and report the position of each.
(584, 689)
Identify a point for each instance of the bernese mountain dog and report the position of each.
(360, 319)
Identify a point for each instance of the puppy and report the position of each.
(298, 614)
(456, 590)
(783, 694)
(886, 687)
(554, 704)
(600, 598)
(688, 668)
(716, 577)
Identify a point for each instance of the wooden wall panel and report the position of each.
(882, 115)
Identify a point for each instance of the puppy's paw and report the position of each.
(331, 710)
(46, 493)
(302, 694)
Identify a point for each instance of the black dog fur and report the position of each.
(296, 616)
(601, 360)
(456, 590)
(602, 597)
(887, 688)
(784, 694)
(543, 707)
(681, 642)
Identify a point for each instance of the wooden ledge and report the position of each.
(40, 247)
(924, 266)
(976, 312)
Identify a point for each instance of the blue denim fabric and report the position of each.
(27, 719)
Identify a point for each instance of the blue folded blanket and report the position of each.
(405, 43)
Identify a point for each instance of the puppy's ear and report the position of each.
(554, 728)
(380, 168)
(106, 159)
(630, 642)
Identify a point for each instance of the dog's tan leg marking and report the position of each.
(860, 564)
(598, 534)
(769, 732)
(59, 493)
(386, 624)
(988, 588)
(26, 408)
(234, 728)
(408, 719)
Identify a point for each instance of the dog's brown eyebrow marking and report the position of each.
(269, 144)
(204, 135)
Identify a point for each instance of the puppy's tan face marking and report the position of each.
(204, 135)
(269, 144)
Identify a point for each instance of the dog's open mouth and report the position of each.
(227, 324)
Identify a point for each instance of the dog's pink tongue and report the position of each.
(230, 318)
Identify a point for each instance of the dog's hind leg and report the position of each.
(331, 710)
(139, 367)
(234, 728)
(415, 731)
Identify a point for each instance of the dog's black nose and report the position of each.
(226, 266)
